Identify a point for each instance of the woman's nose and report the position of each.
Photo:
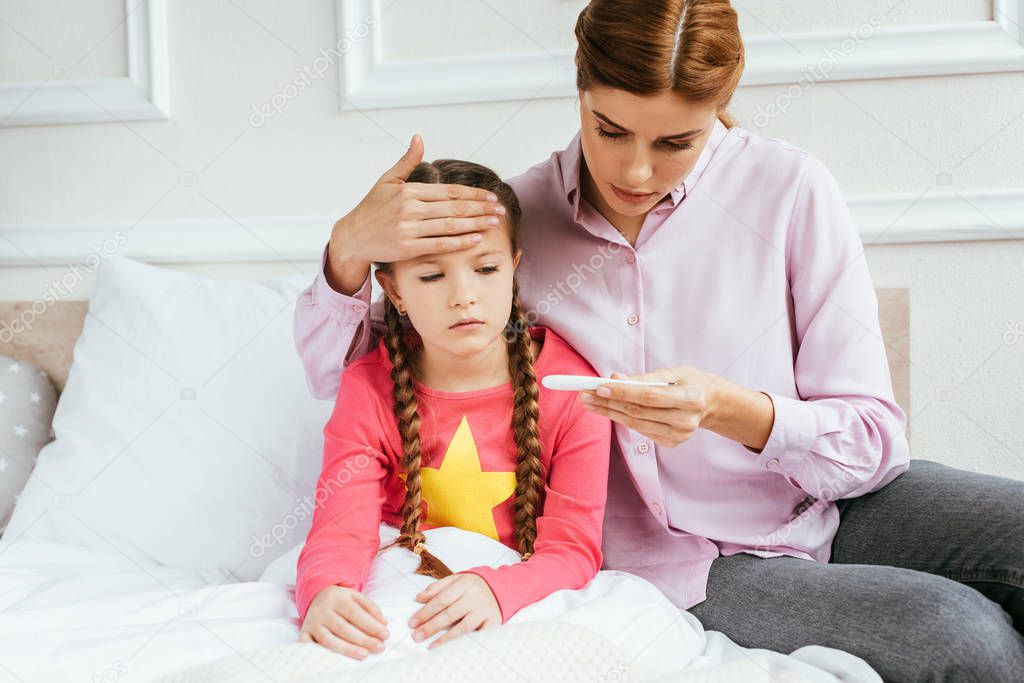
(638, 167)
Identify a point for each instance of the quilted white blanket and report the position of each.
(75, 614)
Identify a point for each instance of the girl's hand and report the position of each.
(666, 415)
(461, 603)
(398, 220)
(345, 621)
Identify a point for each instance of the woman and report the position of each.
(767, 491)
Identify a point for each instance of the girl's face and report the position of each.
(438, 291)
(641, 145)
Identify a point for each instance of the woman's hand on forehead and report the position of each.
(398, 220)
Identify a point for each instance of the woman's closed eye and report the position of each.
(434, 277)
(671, 146)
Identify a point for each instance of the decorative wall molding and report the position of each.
(966, 216)
(370, 82)
(881, 219)
(141, 95)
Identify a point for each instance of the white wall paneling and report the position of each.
(865, 52)
(881, 219)
(142, 94)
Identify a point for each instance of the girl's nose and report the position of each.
(462, 293)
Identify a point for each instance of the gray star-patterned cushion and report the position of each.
(27, 403)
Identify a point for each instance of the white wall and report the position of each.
(921, 118)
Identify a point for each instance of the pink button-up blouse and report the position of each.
(751, 269)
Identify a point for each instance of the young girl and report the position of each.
(446, 424)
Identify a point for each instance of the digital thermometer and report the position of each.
(585, 383)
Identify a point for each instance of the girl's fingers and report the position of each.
(324, 636)
(371, 607)
(438, 602)
(365, 622)
(442, 620)
(436, 587)
(347, 631)
(304, 637)
(467, 624)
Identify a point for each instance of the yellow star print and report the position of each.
(459, 493)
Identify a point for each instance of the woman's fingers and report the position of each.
(656, 397)
(444, 210)
(407, 164)
(439, 192)
(639, 410)
(442, 245)
(324, 636)
(658, 431)
(441, 227)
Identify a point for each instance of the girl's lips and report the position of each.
(631, 198)
(460, 326)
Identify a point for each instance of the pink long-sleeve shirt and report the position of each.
(752, 269)
(467, 473)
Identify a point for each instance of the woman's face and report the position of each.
(439, 290)
(641, 145)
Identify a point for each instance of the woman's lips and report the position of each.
(630, 197)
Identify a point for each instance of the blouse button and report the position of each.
(773, 463)
(633, 319)
(642, 447)
(656, 509)
(630, 258)
(360, 308)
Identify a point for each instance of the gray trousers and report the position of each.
(925, 582)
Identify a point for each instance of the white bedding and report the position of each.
(152, 535)
(85, 614)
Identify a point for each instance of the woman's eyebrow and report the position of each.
(687, 134)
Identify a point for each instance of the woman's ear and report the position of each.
(387, 283)
(516, 258)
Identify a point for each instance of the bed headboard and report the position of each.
(46, 338)
(49, 338)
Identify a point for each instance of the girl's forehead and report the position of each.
(495, 244)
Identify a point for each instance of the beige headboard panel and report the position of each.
(46, 339)
(50, 339)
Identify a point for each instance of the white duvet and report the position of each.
(69, 613)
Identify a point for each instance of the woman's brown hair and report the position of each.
(530, 476)
(646, 47)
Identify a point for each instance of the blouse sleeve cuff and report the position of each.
(792, 433)
(343, 308)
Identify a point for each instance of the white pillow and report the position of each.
(186, 435)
